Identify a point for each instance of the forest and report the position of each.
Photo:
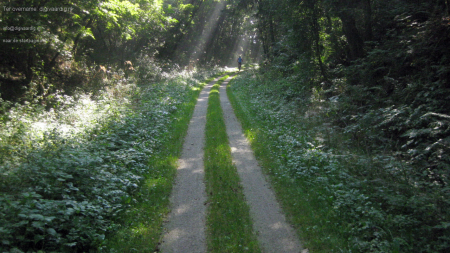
(346, 104)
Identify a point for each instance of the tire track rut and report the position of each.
(185, 229)
(274, 233)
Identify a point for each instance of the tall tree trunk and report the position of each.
(267, 29)
(262, 28)
(368, 20)
(271, 30)
(318, 51)
(352, 34)
(447, 3)
(102, 38)
(29, 74)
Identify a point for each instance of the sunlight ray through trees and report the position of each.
(208, 28)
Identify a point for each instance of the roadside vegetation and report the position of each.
(350, 113)
(142, 224)
(229, 227)
(77, 169)
(341, 194)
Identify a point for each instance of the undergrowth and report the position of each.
(341, 195)
(72, 174)
(142, 223)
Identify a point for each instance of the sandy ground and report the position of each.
(185, 230)
(274, 233)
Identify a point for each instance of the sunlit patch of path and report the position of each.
(185, 229)
(274, 233)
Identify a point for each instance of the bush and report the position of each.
(69, 173)
(360, 187)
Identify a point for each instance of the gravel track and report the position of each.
(185, 230)
(274, 233)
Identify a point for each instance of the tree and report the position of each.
(64, 35)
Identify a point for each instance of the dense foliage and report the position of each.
(68, 45)
(342, 197)
(62, 45)
(379, 73)
(386, 61)
(68, 173)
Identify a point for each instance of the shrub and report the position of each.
(68, 173)
(362, 189)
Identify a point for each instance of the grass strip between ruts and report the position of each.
(142, 225)
(229, 225)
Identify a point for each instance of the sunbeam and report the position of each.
(208, 29)
(217, 35)
(245, 45)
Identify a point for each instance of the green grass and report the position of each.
(228, 224)
(302, 202)
(98, 166)
(341, 191)
(142, 225)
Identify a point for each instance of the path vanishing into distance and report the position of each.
(185, 229)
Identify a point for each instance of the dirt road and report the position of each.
(185, 229)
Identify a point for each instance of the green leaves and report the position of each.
(68, 174)
(364, 198)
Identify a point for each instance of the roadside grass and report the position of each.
(142, 224)
(306, 208)
(341, 197)
(229, 225)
